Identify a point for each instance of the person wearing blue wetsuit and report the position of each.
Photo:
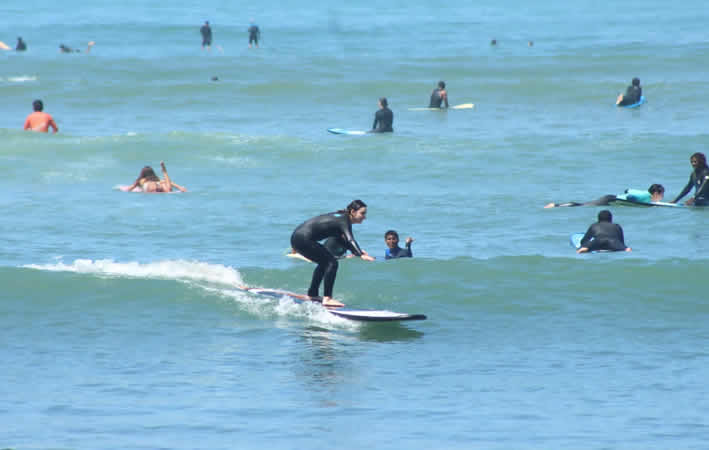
(383, 118)
(632, 94)
(603, 235)
(333, 225)
(699, 179)
(393, 250)
(439, 96)
(655, 193)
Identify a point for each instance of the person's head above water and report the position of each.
(605, 216)
(391, 238)
(37, 105)
(383, 102)
(698, 160)
(149, 174)
(636, 81)
(356, 211)
(442, 84)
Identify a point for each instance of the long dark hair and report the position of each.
(354, 205)
(148, 174)
(701, 159)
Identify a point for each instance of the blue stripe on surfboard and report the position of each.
(635, 105)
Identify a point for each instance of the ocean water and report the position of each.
(122, 326)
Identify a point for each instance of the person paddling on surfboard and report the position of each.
(304, 240)
(148, 181)
(439, 96)
(603, 235)
(632, 94)
(383, 118)
(655, 193)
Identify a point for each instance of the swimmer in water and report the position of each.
(439, 96)
(383, 118)
(21, 45)
(64, 49)
(632, 94)
(333, 225)
(699, 179)
(39, 120)
(393, 250)
(603, 235)
(148, 181)
(655, 193)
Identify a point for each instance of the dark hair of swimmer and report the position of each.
(493, 42)
(442, 84)
(605, 216)
(656, 189)
(701, 159)
(355, 205)
(37, 105)
(384, 103)
(636, 81)
(391, 233)
(149, 174)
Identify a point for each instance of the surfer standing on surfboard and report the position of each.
(333, 225)
(439, 96)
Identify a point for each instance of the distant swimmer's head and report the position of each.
(493, 42)
(148, 174)
(356, 211)
(605, 216)
(636, 81)
(391, 238)
(442, 84)
(383, 102)
(698, 160)
(37, 105)
(206, 22)
(215, 78)
(530, 43)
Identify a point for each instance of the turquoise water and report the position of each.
(121, 324)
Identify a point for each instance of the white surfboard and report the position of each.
(4, 46)
(461, 106)
(362, 315)
(298, 256)
(346, 131)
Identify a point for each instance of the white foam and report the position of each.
(21, 79)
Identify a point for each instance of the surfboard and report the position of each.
(362, 315)
(575, 240)
(346, 131)
(4, 46)
(636, 104)
(627, 202)
(461, 106)
(298, 256)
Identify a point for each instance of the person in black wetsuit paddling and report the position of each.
(439, 96)
(632, 94)
(655, 193)
(699, 179)
(333, 225)
(603, 235)
(384, 118)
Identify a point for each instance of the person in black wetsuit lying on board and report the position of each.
(655, 193)
(339, 225)
(632, 94)
(699, 178)
(603, 235)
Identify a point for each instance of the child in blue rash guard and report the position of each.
(393, 250)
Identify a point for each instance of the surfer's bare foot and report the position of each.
(327, 301)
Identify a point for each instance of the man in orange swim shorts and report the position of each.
(38, 120)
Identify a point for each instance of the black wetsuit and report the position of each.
(603, 201)
(305, 241)
(398, 252)
(383, 121)
(254, 34)
(21, 46)
(336, 246)
(604, 236)
(437, 99)
(632, 95)
(700, 182)
(206, 31)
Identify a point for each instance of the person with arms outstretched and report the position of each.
(699, 179)
(148, 181)
(40, 120)
(383, 118)
(439, 96)
(603, 235)
(304, 240)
